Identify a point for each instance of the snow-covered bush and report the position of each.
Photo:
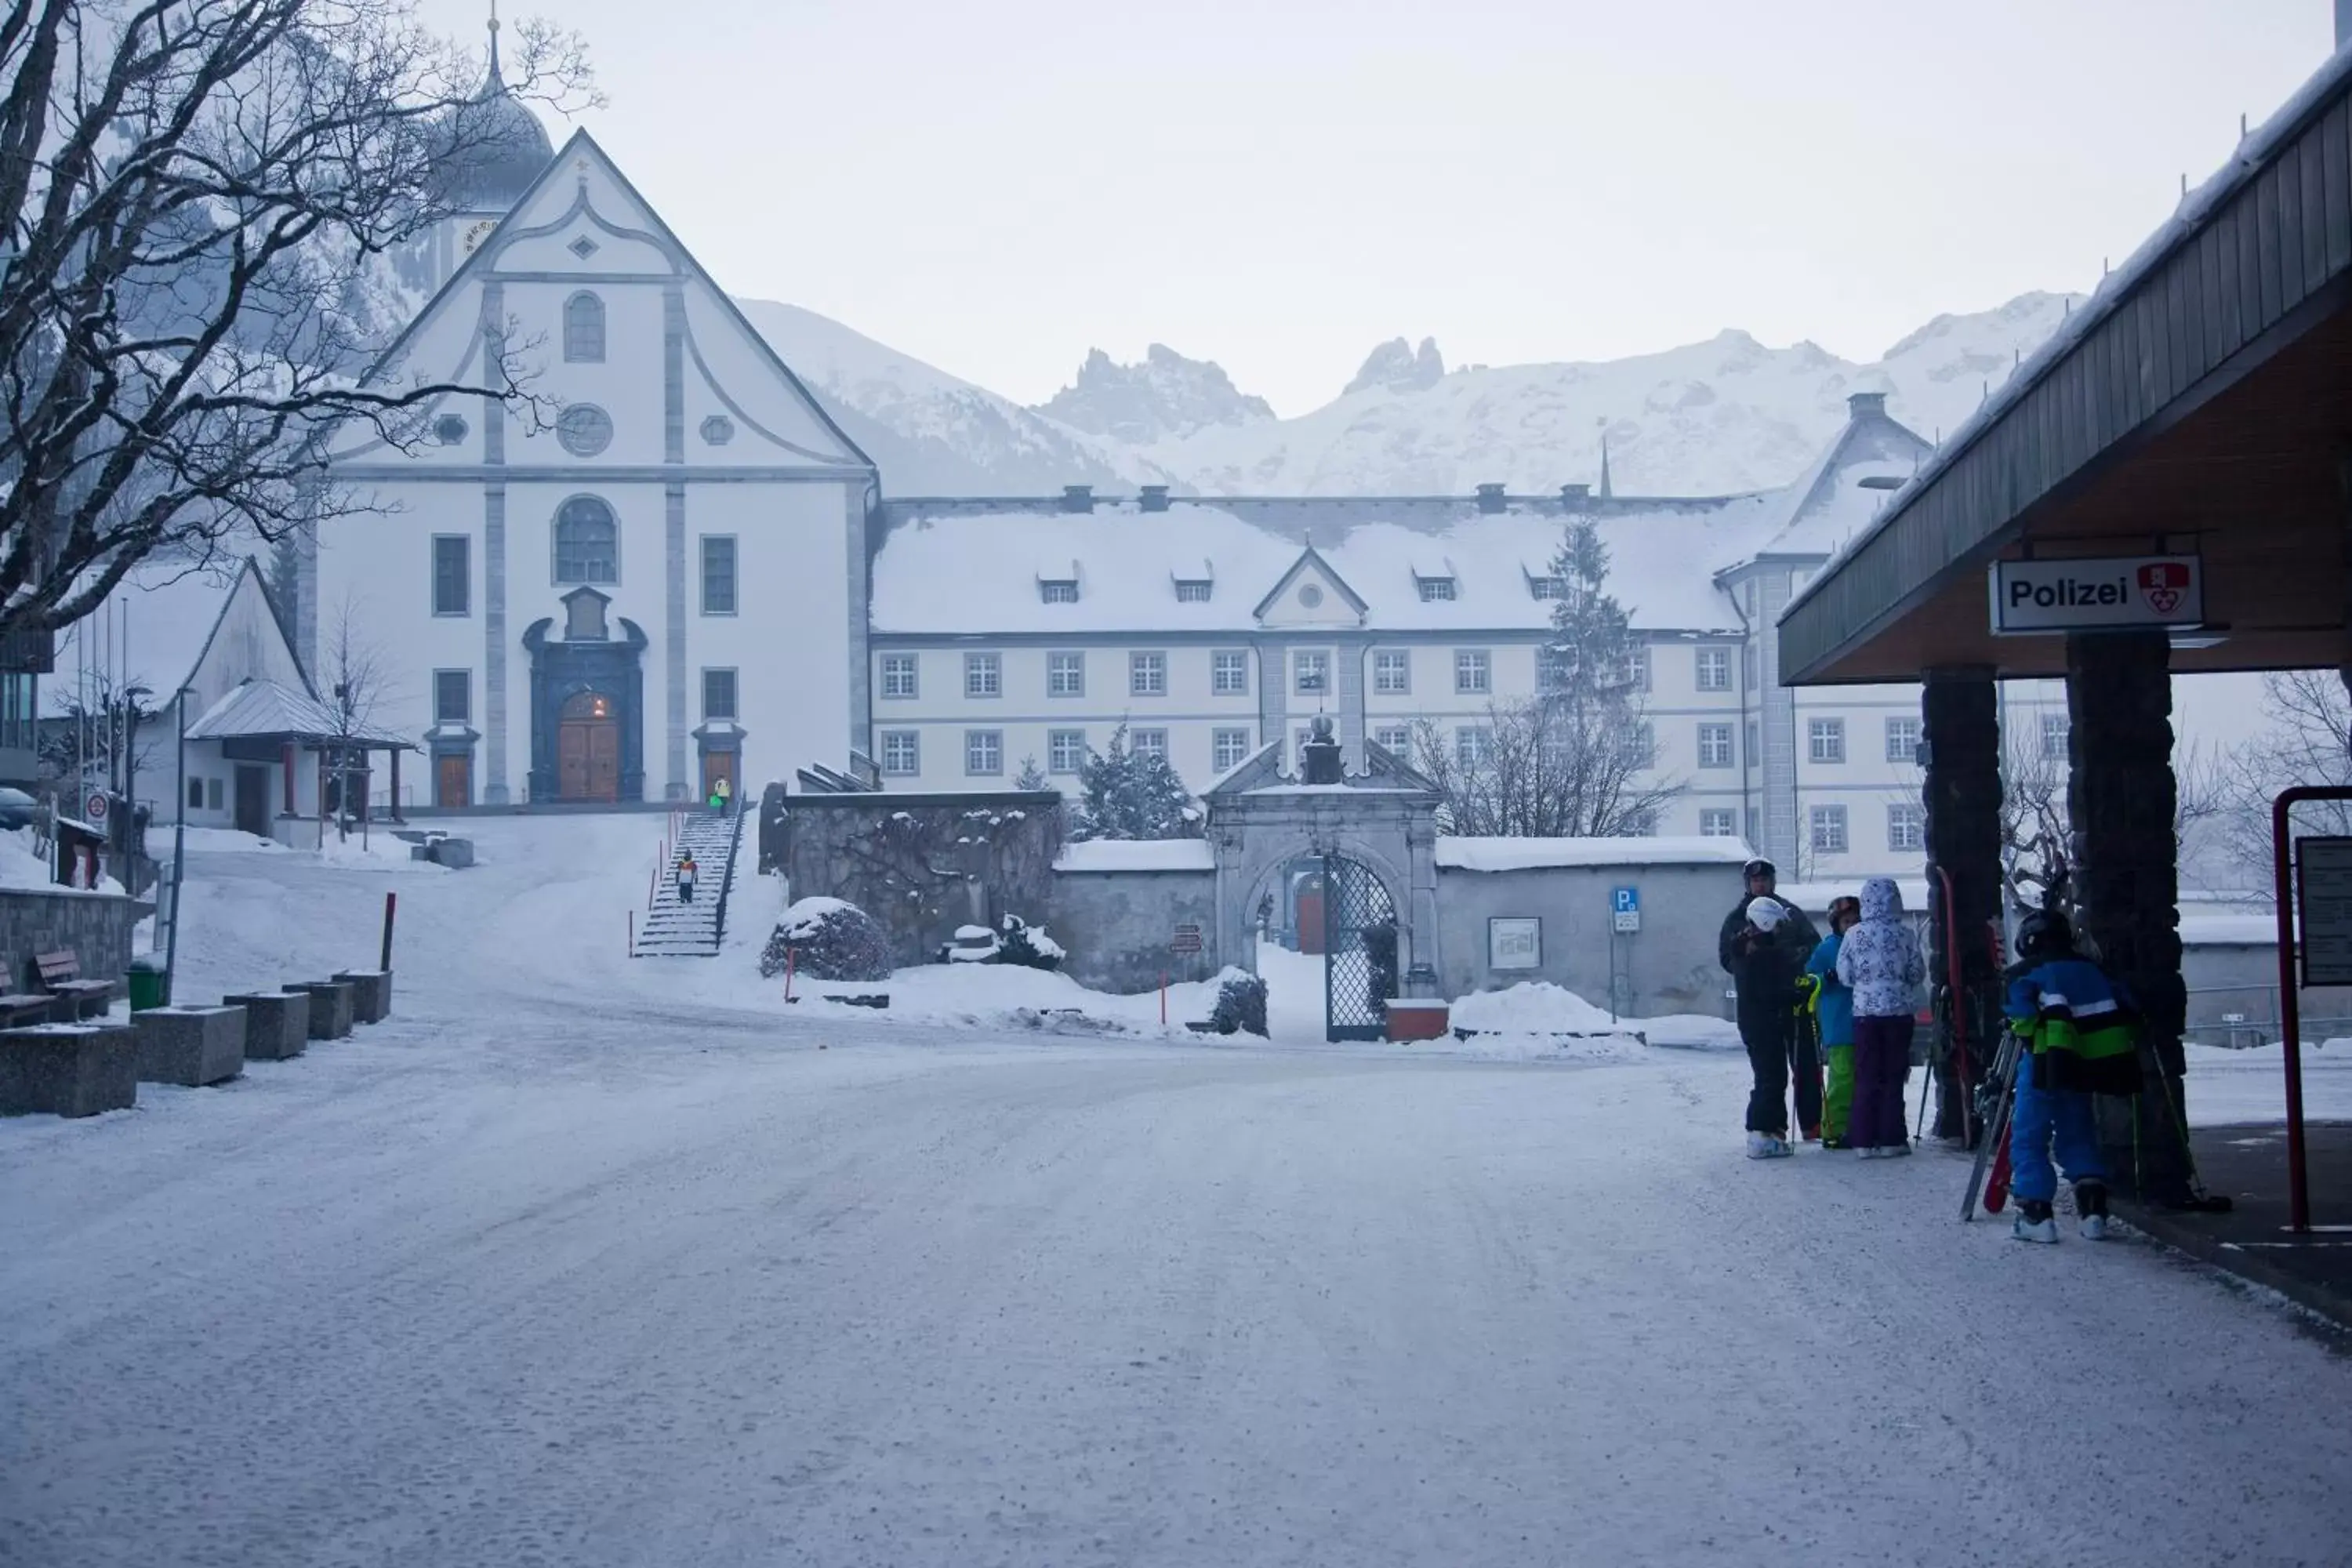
(1028, 946)
(1240, 1005)
(827, 939)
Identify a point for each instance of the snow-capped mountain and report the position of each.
(931, 433)
(1708, 418)
(1165, 397)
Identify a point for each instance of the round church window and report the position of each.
(584, 429)
(448, 429)
(1311, 596)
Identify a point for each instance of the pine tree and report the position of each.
(1032, 778)
(1127, 794)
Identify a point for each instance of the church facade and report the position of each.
(560, 593)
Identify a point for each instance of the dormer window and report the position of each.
(1547, 586)
(1194, 590)
(1435, 590)
(1059, 590)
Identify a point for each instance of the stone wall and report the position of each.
(922, 865)
(95, 926)
(1117, 925)
(1669, 966)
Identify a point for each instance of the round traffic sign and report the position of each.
(97, 807)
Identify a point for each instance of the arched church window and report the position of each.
(587, 542)
(584, 328)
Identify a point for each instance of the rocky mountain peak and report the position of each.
(1395, 364)
(1165, 395)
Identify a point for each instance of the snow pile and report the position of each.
(375, 851)
(829, 939)
(1534, 1007)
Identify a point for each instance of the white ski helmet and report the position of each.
(1766, 914)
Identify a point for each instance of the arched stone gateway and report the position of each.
(1369, 839)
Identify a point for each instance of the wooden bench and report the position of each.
(28, 1007)
(60, 974)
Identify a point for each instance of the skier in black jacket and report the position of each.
(1764, 956)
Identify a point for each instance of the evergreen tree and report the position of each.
(1126, 794)
(1032, 778)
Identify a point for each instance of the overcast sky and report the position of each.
(997, 185)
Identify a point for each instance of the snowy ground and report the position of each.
(589, 1262)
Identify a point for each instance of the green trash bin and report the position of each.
(147, 982)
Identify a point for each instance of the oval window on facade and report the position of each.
(584, 429)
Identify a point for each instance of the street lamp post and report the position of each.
(179, 846)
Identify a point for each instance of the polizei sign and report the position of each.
(2101, 594)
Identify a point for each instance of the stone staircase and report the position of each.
(670, 928)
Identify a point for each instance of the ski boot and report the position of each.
(1764, 1146)
(2034, 1221)
(2091, 1204)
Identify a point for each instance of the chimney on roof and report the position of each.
(1155, 497)
(1490, 498)
(1078, 497)
(1860, 405)
(1576, 498)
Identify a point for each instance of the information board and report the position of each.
(2322, 897)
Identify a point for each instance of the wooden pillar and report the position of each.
(393, 809)
(1959, 713)
(285, 760)
(2120, 801)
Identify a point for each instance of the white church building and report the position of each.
(675, 568)
(652, 578)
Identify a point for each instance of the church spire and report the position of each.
(1605, 491)
(498, 77)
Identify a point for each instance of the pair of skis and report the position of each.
(1996, 1099)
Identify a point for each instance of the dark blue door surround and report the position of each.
(560, 669)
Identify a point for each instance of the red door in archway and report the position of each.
(588, 748)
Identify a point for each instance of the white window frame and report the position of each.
(1147, 674)
(1058, 590)
(1715, 747)
(1229, 672)
(1059, 759)
(1826, 830)
(895, 665)
(467, 717)
(1903, 735)
(1718, 822)
(1229, 747)
(1392, 672)
(1195, 590)
(1825, 741)
(1438, 590)
(1149, 741)
(735, 686)
(1395, 739)
(1473, 672)
(892, 741)
(734, 573)
(993, 739)
(983, 676)
(1318, 660)
(1473, 744)
(2057, 736)
(1711, 669)
(1906, 820)
(1062, 662)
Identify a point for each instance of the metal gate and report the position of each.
(1360, 952)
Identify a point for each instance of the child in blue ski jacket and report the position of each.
(2081, 1037)
(1832, 1001)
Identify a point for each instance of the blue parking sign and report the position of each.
(1625, 908)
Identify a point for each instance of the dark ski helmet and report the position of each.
(1759, 867)
(1845, 904)
(2044, 933)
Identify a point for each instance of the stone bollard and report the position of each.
(190, 1045)
(69, 1069)
(277, 1023)
(330, 1008)
(371, 993)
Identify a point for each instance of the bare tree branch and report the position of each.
(203, 202)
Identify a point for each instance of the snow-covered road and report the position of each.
(728, 1300)
(575, 1262)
